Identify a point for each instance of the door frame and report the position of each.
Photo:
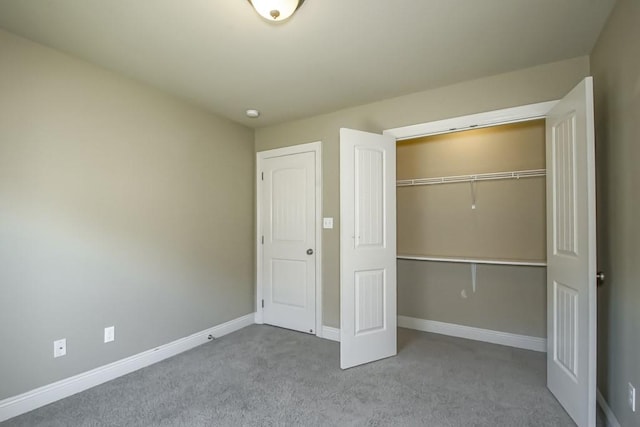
(504, 116)
(316, 148)
(474, 121)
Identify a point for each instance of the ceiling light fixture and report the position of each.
(252, 114)
(276, 10)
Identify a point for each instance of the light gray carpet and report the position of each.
(267, 376)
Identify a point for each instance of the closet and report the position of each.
(471, 224)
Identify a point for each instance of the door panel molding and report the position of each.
(261, 156)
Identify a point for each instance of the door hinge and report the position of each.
(262, 303)
(263, 176)
(262, 240)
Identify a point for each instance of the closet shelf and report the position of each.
(474, 260)
(472, 178)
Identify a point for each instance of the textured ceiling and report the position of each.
(331, 54)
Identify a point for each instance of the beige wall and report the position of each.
(508, 221)
(508, 298)
(115, 209)
(537, 84)
(516, 146)
(615, 63)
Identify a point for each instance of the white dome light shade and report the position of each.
(275, 10)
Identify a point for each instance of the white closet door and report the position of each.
(367, 247)
(571, 254)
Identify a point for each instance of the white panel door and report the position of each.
(367, 247)
(571, 254)
(288, 224)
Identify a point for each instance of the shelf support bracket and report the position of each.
(474, 273)
(473, 193)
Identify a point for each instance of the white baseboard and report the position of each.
(330, 333)
(20, 404)
(257, 318)
(611, 420)
(495, 337)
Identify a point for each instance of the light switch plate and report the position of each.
(109, 334)
(327, 223)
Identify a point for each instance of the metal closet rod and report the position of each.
(472, 178)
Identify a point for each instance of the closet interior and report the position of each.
(472, 228)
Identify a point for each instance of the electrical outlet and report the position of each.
(109, 334)
(60, 347)
(632, 397)
(327, 222)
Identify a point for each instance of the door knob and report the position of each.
(600, 278)
(309, 251)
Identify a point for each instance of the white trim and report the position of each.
(480, 120)
(316, 148)
(25, 402)
(331, 333)
(468, 332)
(259, 318)
(611, 419)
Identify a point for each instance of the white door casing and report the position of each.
(367, 247)
(571, 254)
(574, 386)
(289, 247)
